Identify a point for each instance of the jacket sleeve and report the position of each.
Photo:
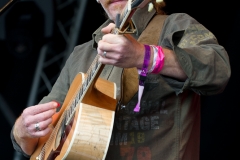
(205, 62)
(79, 61)
(60, 88)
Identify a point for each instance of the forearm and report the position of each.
(171, 66)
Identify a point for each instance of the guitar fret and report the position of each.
(88, 79)
(92, 73)
(84, 86)
(69, 114)
(72, 109)
(75, 102)
(67, 117)
(80, 94)
(96, 66)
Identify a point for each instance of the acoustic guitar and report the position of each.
(82, 128)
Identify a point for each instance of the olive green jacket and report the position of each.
(175, 105)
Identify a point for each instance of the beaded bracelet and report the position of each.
(143, 75)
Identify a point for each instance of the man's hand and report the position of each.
(121, 50)
(25, 130)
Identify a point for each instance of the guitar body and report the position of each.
(88, 134)
(91, 137)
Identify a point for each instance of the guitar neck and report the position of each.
(91, 77)
(124, 24)
(92, 74)
(5, 5)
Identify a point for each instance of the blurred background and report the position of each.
(37, 36)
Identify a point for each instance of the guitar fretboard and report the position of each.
(90, 76)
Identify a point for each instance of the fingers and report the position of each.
(40, 128)
(36, 119)
(40, 112)
(34, 110)
(111, 44)
(120, 50)
(108, 29)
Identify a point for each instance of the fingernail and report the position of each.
(58, 104)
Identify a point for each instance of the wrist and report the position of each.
(25, 141)
(146, 61)
(16, 133)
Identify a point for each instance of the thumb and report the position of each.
(108, 29)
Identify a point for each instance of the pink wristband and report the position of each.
(159, 61)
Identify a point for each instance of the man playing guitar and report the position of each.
(160, 120)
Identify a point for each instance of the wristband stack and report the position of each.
(158, 62)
